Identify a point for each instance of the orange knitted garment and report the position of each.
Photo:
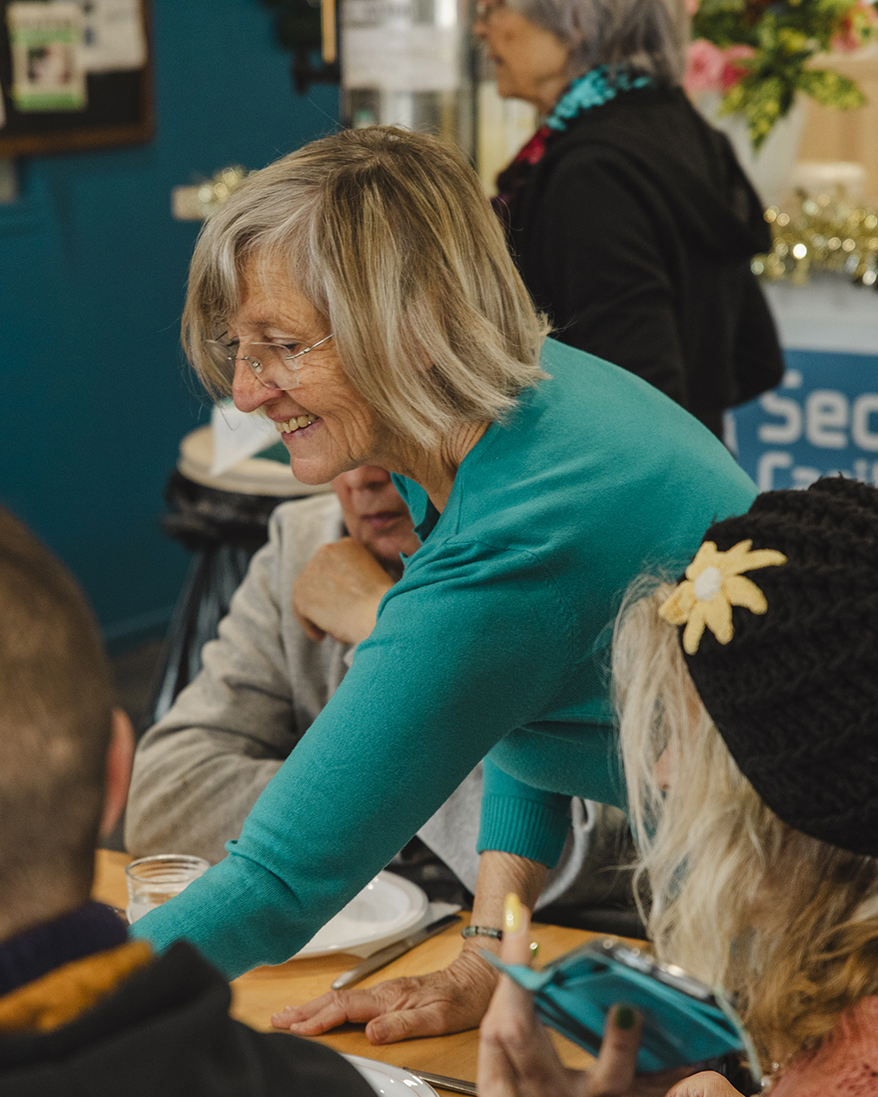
(61, 995)
(845, 1065)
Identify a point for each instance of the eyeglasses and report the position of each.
(273, 368)
(486, 8)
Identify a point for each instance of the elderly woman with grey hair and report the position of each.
(629, 217)
(359, 294)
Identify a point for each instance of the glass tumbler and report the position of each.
(154, 880)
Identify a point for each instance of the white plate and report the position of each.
(385, 910)
(390, 1081)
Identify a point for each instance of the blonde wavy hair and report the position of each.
(389, 236)
(785, 923)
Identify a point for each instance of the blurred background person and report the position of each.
(750, 747)
(82, 1008)
(629, 216)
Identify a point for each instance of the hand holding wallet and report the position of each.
(684, 1021)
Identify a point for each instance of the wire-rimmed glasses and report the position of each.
(486, 8)
(274, 368)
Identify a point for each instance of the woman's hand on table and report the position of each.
(338, 592)
(444, 1001)
(518, 1059)
(450, 1000)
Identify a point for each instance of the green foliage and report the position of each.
(831, 89)
(784, 36)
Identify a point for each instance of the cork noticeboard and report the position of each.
(115, 104)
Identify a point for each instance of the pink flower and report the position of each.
(847, 40)
(704, 67)
(854, 27)
(732, 73)
(708, 68)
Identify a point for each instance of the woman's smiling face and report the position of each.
(339, 431)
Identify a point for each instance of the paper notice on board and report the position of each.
(45, 40)
(387, 47)
(113, 37)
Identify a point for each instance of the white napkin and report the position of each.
(237, 435)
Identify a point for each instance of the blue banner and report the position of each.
(822, 419)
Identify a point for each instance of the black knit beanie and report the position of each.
(794, 690)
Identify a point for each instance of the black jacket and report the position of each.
(634, 232)
(166, 1032)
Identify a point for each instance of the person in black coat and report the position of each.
(629, 217)
(83, 1010)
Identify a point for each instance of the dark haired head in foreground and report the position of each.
(82, 1009)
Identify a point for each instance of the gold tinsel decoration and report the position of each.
(213, 192)
(822, 233)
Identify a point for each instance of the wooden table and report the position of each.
(266, 990)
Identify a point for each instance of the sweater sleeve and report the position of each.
(472, 643)
(759, 362)
(517, 818)
(603, 275)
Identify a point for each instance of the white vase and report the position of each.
(771, 167)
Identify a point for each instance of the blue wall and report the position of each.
(94, 397)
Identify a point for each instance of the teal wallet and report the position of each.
(684, 1021)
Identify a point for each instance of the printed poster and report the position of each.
(113, 38)
(386, 46)
(47, 71)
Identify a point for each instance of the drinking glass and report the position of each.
(154, 880)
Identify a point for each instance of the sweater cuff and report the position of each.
(529, 828)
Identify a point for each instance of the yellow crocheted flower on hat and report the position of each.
(714, 584)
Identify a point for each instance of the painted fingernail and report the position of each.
(625, 1017)
(512, 912)
(534, 950)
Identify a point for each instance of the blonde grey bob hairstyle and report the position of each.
(651, 34)
(388, 235)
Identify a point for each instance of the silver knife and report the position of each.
(456, 1085)
(384, 956)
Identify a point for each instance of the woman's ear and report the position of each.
(120, 756)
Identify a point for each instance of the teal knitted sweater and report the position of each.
(494, 642)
